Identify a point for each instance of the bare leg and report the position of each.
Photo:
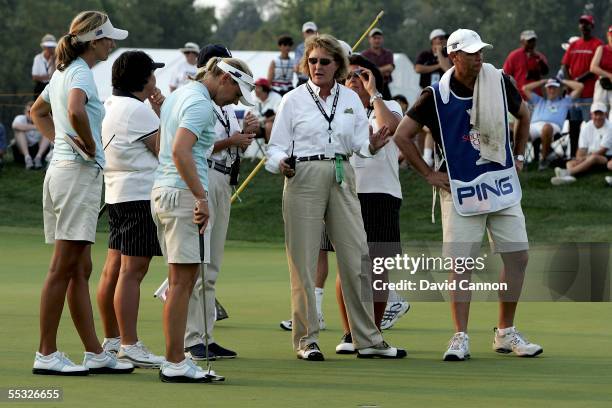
(43, 147)
(379, 305)
(182, 278)
(127, 295)
(22, 143)
(322, 270)
(581, 166)
(513, 274)
(106, 293)
(547, 139)
(341, 306)
(460, 302)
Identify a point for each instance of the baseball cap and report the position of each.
(438, 32)
(309, 26)
(552, 82)
(106, 30)
(375, 31)
(48, 41)
(348, 51)
(571, 40)
(263, 82)
(244, 81)
(599, 107)
(190, 47)
(465, 40)
(528, 35)
(212, 50)
(588, 18)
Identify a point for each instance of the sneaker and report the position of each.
(286, 325)
(112, 344)
(382, 350)
(57, 364)
(608, 180)
(514, 341)
(559, 181)
(559, 172)
(346, 345)
(221, 352)
(184, 372)
(198, 353)
(140, 356)
(393, 312)
(106, 363)
(37, 163)
(312, 352)
(28, 163)
(458, 348)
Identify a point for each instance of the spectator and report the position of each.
(44, 64)
(308, 29)
(525, 64)
(2, 145)
(28, 141)
(382, 57)
(576, 64)
(403, 102)
(565, 46)
(549, 113)
(602, 65)
(431, 64)
(187, 69)
(594, 147)
(267, 102)
(280, 71)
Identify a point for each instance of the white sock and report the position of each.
(503, 332)
(319, 299)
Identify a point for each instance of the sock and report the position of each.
(319, 299)
(503, 332)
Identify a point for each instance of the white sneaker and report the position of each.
(514, 341)
(393, 312)
(111, 344)
(28, 162)
(286, 325)
(106, 363)
(346, 345)
(559, 172)
(559, 181)
(184, 372)
(140, 356)
(608, 180)
(458, 348)
(312, 352)
(382, 350)
(57, 364)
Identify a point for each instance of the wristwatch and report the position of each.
(519, 157)
(374, 97)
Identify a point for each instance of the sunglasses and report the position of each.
(356, 74)
(322, 61)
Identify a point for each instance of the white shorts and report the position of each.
(462, 235)
(71, 201)
(177, 234)
(535, 129)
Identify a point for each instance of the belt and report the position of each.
(218, 166)
(319, 157)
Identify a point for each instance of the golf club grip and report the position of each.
(201, 236)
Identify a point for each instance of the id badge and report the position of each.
(330, 151)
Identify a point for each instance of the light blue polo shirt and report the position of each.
(551, 111)
(188, 107)
(77, 75)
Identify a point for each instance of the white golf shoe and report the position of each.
(393, 312)
(381, 350)
(140, 356)
(111, 344)
(458, 348)
(57, 364)
(514, 341)
(184, 372)
(106, 363)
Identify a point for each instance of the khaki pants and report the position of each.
(309, 198)
(219, 196)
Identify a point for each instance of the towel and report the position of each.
(488, 115)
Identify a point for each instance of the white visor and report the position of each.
(245, 81)
(106, 30)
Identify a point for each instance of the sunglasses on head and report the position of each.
(322, 61)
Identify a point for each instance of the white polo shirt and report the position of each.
(223, 156)
(593, 139)
(182, 74)
(32, 136)
(299, 120)
(42, 66)
(380, 174)
(130, 166)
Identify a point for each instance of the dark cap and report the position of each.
(212, 50)
(588, 18)
(132, 69)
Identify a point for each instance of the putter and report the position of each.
(209, 371)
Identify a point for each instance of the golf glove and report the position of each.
(168, 200)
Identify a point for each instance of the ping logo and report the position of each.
(502, 186)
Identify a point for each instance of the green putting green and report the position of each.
(573, 371)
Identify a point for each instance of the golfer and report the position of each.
(130, 136)
(179, 200)
(463, 111)
(318, 125)
(72, 190)
(224, 167)
(377, 182)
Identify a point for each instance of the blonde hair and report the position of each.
(69, 47)
(330, 44)
(211, 68)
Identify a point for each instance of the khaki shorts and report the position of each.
(177, 234)
(71, 201)
(462, 235)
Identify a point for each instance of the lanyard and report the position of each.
(369, 111)
(329, 119)
(226, 126)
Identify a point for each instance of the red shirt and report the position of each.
(384, 58)
(578, 60)
(519, 63)
(605, 62)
